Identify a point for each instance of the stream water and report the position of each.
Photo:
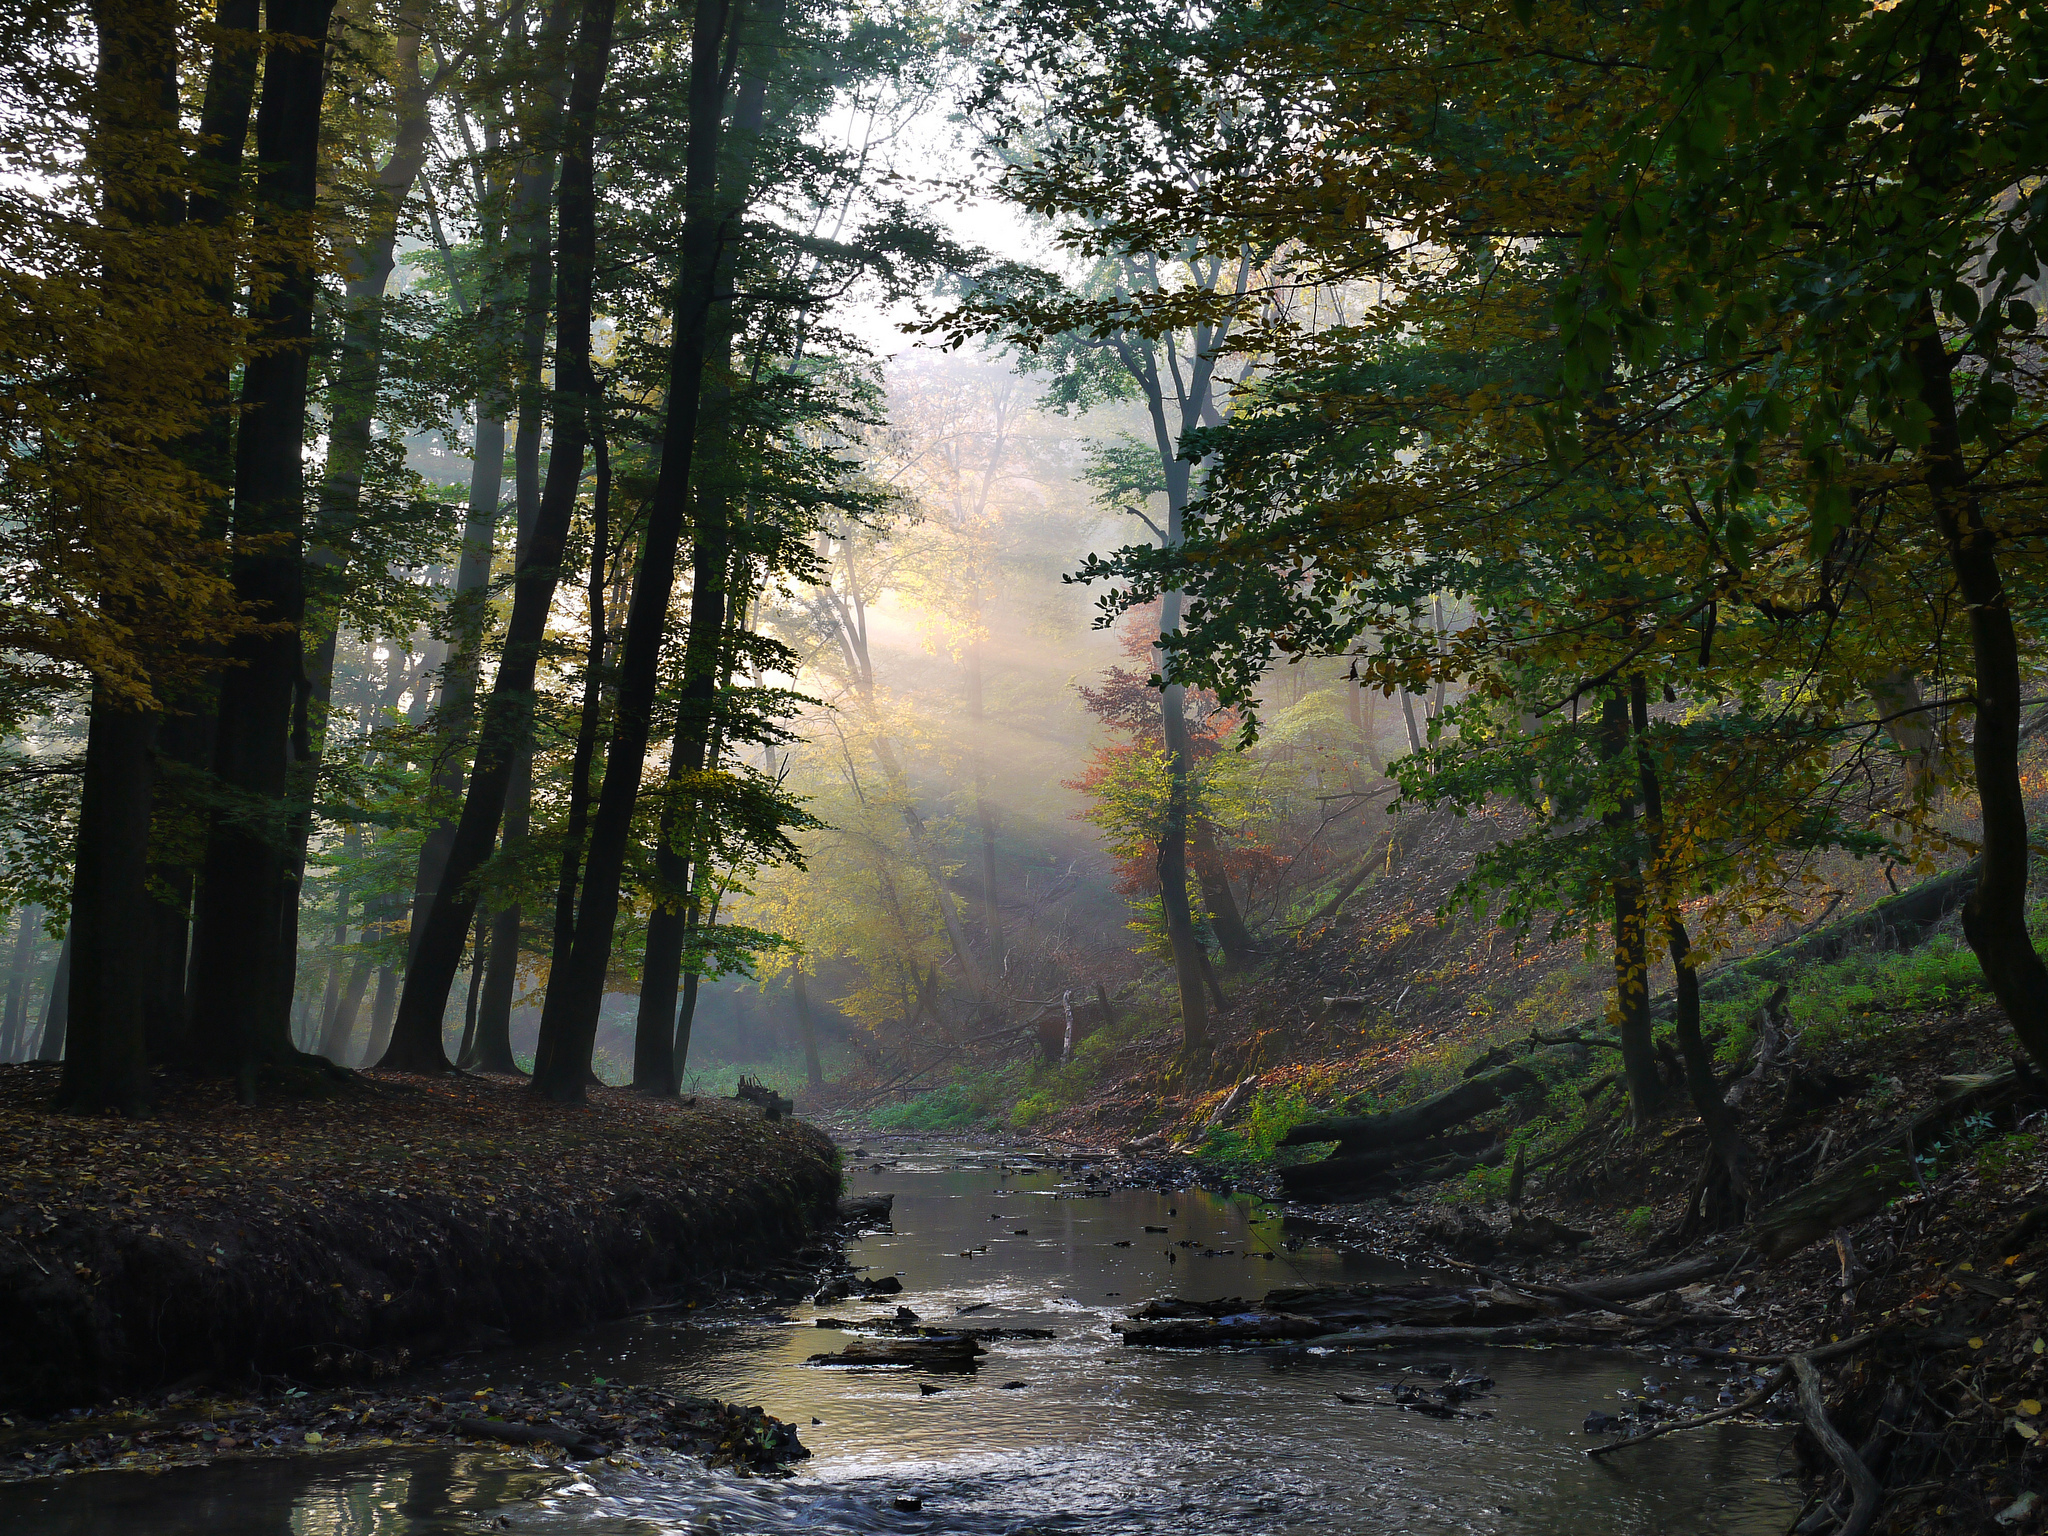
(1097, 1438)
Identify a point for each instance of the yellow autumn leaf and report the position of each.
(2030, 1406)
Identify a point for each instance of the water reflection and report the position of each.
(1097, 1438)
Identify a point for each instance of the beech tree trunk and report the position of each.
(14, 1025)
(1631, 951)
(984, 811)
(241, 968)
(57, 1010)
(814, 1071)
(506, 732)
(1724, 1136)
(576, 992)
(1173, 871)
(592, 706)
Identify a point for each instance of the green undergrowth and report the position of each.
(979, 1099)
(1252, 1142)
(784, 1072)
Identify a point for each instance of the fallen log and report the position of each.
(1651, 1282)
(897, 1328)
(579, 1445)
(1304, 1312)
(1873, 1173)
(1561, 1331)
(953, 1352)
(773, 1103)
(1357, 1134)
(1309, 1181)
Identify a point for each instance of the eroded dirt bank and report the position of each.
(348, 1238)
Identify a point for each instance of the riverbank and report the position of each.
(350, 1238)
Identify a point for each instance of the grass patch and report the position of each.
(963, 1104)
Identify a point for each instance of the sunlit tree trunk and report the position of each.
(505, 732)
(576, 990)
(1631, 950)
(984, 809)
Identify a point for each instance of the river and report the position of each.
(1097, 1438)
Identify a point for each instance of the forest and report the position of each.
(1176, 583)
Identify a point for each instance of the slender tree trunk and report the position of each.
(686, 1016)
(1995, 916)
(506, 732)
(465, 1057)
(1631, 953)
(240, 966)
(457, 712)
(1173, 873)
(656, 1067)
(1225, 918)
(569, 1018)
(341, 1028)
(984, 811)
(382, 1010)
(13, 1026)
(592, 707)
(814, 1071)
(534, 203)
(57, 1012)
(1724, 1136)
(1408, 719)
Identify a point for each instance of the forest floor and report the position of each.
(217, 1246)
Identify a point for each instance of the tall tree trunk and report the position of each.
(465, 1055)
(341, 1028)
(383, 1009)
(134, 142)
(506, 731)
(1724, 1136)
(592, 705)
(659, 1024)
(984, 812)
(457, 711)
(1631, 951)
(57, 1009)
(13, 1025)
(814, 1071)
(569, 1018)
(1173, 870)
(240, 966)
(1995, 916)
(533, 206)
(1225, 919)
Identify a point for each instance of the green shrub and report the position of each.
(1640, 1223)
(955, 1106)
(1031, 1109)
(1254, 1142)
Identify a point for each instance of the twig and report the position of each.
(1584, 1299)
(1785, 1365)
(1755, 1400)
